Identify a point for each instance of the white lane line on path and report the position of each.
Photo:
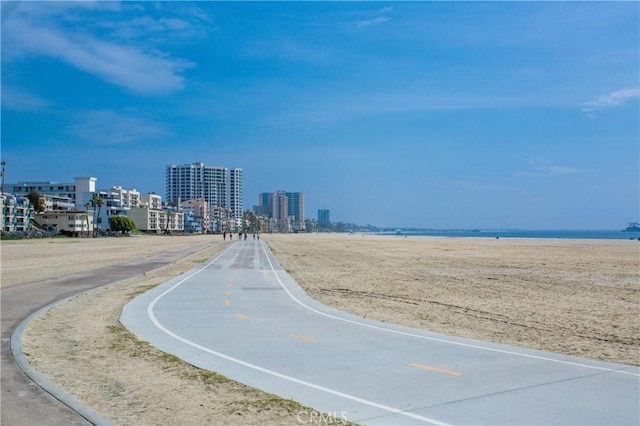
(435, 339)
(265, 370)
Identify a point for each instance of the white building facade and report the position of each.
(220, 187)
(74, 192)
(150, 216)
(77, 223)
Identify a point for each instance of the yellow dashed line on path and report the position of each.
(436, 369)
(305, 338)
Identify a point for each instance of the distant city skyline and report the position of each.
(285, 206)
(400, 114)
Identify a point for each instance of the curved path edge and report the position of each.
(42, 410)
(252, 343)
(39, 379)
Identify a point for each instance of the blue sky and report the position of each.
(422, 114)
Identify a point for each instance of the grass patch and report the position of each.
(270, 400)
(300, 412)
(142, 289)
(169, 357)
(126, 342)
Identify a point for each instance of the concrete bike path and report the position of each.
(24, 402)
(244, 317)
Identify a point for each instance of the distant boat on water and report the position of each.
(632, 227)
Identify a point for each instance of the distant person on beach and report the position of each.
(224, 235)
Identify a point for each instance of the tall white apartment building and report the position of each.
(221, 188)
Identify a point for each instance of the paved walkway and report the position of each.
(22, 401)
(243, 316)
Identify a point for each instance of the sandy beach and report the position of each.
(578, 297)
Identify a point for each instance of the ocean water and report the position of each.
(523, 233)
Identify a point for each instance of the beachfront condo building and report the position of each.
(15, 213)
(73, 193)
(151, 216)
(147, 210)
(77, 223)
(197, 216)
(220, 187)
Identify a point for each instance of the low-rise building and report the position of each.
(58, 202)
(129, 198)
(171, 221)
(150, 217)
(197, 216)
(77, 223)
(75, 193)
(15, 213)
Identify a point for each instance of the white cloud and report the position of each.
(20, 101)
(374, 21)
(542, 167)
(609, 100)
(288, 49)
(112, 128)
(141, 70)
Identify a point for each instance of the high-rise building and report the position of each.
(324, 217)
(286, 207)
(295, 209)
(220, 187)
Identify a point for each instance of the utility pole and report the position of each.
(4, 167)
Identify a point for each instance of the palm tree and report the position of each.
(97, 203)
(86, 206)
